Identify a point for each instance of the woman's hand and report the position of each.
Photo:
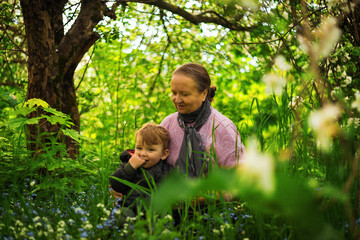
(136, 161)
(115, 194)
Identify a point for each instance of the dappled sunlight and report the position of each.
(78, 78)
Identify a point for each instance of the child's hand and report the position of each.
(136, 162)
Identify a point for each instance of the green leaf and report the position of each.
(74, 135)
(33, 120)
(16, 123)
(55, 119)
(24, 111)
(2, 139)
(36, 101)
(85, 169)
(132, 185)
(55, 112)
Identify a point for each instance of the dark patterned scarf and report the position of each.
(192, 158)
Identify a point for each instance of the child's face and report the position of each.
(152, 154)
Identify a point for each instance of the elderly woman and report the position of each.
(198, 132)
(197, 128)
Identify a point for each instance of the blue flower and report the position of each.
(100, 227)
(84, 235)
(30, 234)
(8, 238)
(67, 237)
(109, 222)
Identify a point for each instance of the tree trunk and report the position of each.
(42, 64)
(53, 58)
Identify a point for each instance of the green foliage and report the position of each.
(124, 81)
(53, 162)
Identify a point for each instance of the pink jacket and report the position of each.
(225, 138)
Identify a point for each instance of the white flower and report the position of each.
(257, 169)
(88, 226)
(274, 83)
(324, 124)
(335, 92)
(38, 225)
(343, 74)
(295, 101)
(216, 231)
(49, 228)
(328, 34)
(61, 223)
(117, 212)
(107, 212)
(355, 121)
(100, 205)
(78, 210)
(356, 102)
(280, 62)
(19, 223)
(347, 81)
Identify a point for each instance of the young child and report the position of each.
(151, 151)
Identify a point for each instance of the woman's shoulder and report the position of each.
(219, 119)
(169, 119)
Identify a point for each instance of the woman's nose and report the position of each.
(178, 99)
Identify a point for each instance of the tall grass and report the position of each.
(315, 194)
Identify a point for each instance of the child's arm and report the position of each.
(126, 171)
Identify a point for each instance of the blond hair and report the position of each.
(153, 134)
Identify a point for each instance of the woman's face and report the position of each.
(185, 95)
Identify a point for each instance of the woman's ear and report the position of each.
(204, 94)
(165, 154)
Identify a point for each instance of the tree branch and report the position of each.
(80, 37)
(86, 67)
(12, 41)
(111, 12)
(195, 19)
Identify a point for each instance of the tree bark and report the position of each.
(53, 58)
(42, 62)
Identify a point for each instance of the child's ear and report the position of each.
(165, 154)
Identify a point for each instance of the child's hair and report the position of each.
(154, 134)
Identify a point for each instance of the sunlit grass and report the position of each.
(289, 189)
